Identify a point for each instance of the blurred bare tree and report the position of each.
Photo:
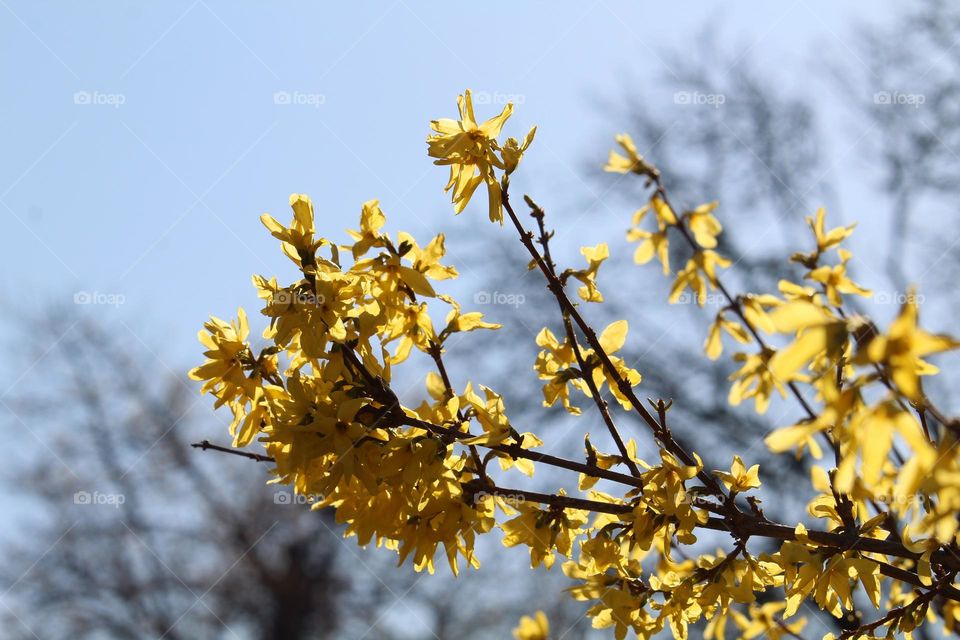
(135, 534)
(910, 95)
(200, 547)
(144, 537)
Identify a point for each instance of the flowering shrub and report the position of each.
(418, 479)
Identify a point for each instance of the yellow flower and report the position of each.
(766, 621)
(371, 220)
(427, 260)
(651, 243)
(513, 150)
(457, 321)
(296, 240)
(827, 239)
(535, 628)
(817, 332)
(544, 531)
(754, 380)
(714, 345)
(556, 364)
(228, 356)
(700, 272)
(595, 257)
(634, 162)
(902, 350)
(414, 328)
(612, 340)
(740, 478)
(471, 151)
(835, 281)
(704, 225)
(665, 215)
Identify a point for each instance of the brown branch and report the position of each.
(206, 445)
(436, 352)
(556, 287)
(741, 525)
(895, 614)
(552, 499)
(586, 368)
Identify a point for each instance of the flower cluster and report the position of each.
(894, 472)
(417, 479)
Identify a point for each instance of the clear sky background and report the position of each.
(142, 141)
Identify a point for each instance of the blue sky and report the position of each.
(144, 140)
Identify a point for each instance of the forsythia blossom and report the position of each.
(473, 154)
(426, 477)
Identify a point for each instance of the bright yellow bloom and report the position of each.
(754, 380)
(371, 221)
(457, 321)
(556, 364)
(714, 345)
(704, 225)
(835, 281)
(817, 332)
(535, 628)
(543, 531)
(297, 239)
(612, 340)
(471, 150)
(700, 272)
(827, 239)
(766, 621)
(228, 357)
(739, 478)
(653, 243)
(633, 162)
(903, 348)
(595, 257)
(513, 150)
